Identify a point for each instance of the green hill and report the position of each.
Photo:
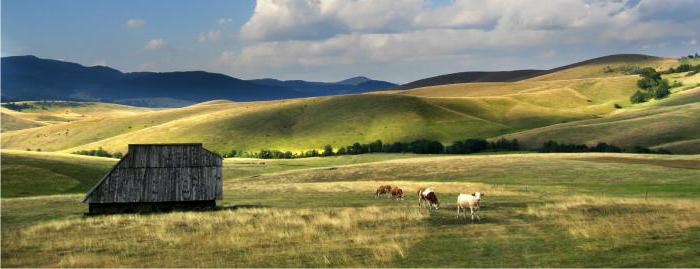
(671, 123)
(572, 104)
(27, 173)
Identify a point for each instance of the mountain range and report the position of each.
(33, 78)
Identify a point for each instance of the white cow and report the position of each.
(471, 201)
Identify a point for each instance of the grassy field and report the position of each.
(26, 173)
(669, 123)
(548, 210)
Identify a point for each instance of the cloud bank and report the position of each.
(417, 38)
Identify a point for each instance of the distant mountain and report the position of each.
(354, 81)
(348, 86)
(32, 78)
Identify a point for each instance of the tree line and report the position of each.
(420, 146)
(426, 146)
(100, 153)
(552, 146)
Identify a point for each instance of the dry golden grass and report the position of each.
(409, 187)
(356, 237)
(619, 219)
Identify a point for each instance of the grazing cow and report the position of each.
(383, 190)
(397, 193)
(471, 201)
(429, 197)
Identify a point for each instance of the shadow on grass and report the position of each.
(167, 211)
(236, 207)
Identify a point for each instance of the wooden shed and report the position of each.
(159, 177)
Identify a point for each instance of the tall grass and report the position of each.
(369, 236)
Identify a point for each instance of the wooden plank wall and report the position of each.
(162, 173)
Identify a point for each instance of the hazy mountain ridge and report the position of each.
(33, 78)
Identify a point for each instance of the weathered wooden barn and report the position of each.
(159, 177)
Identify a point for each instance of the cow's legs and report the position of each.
(472, 211)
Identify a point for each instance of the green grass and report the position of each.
(540, 210)
(651, 124)
(33, 173)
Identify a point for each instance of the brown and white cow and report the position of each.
(397, 193)
(428, 197)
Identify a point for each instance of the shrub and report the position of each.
(639, 97)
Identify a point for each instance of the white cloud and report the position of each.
(326, 35)
(155, 43)
(224, 20)
(135, 23)
(211, 36)
(100, 63)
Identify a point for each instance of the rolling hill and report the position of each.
(586, 69)
(580, 107)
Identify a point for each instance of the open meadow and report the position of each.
(547, 210)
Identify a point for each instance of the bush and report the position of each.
(662, 90)
(639, 97)
(649, 73)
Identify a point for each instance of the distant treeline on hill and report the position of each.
(425, 146)
(421, 146)
(100, 153)
(552, 146)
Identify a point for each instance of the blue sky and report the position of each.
(329, 40)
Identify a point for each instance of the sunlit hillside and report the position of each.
(593, 94)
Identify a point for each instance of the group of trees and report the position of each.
(100, 153)
(552, 146)
(420, 146)
(691, 56)
(652, 86)
(684, 68)
(425, 146)
(480, 145)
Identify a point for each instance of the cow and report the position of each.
(429, 197)
(471, 201)
(383, 190)
(397, 193)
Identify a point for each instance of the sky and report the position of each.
(330, 40)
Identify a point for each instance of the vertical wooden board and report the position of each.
(186, 186)
(219, 183)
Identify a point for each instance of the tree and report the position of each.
(639, 97)
(342, 151)
(375, 146)
(662, 90)
(650, 73)
(647, 83)
(327, 150)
